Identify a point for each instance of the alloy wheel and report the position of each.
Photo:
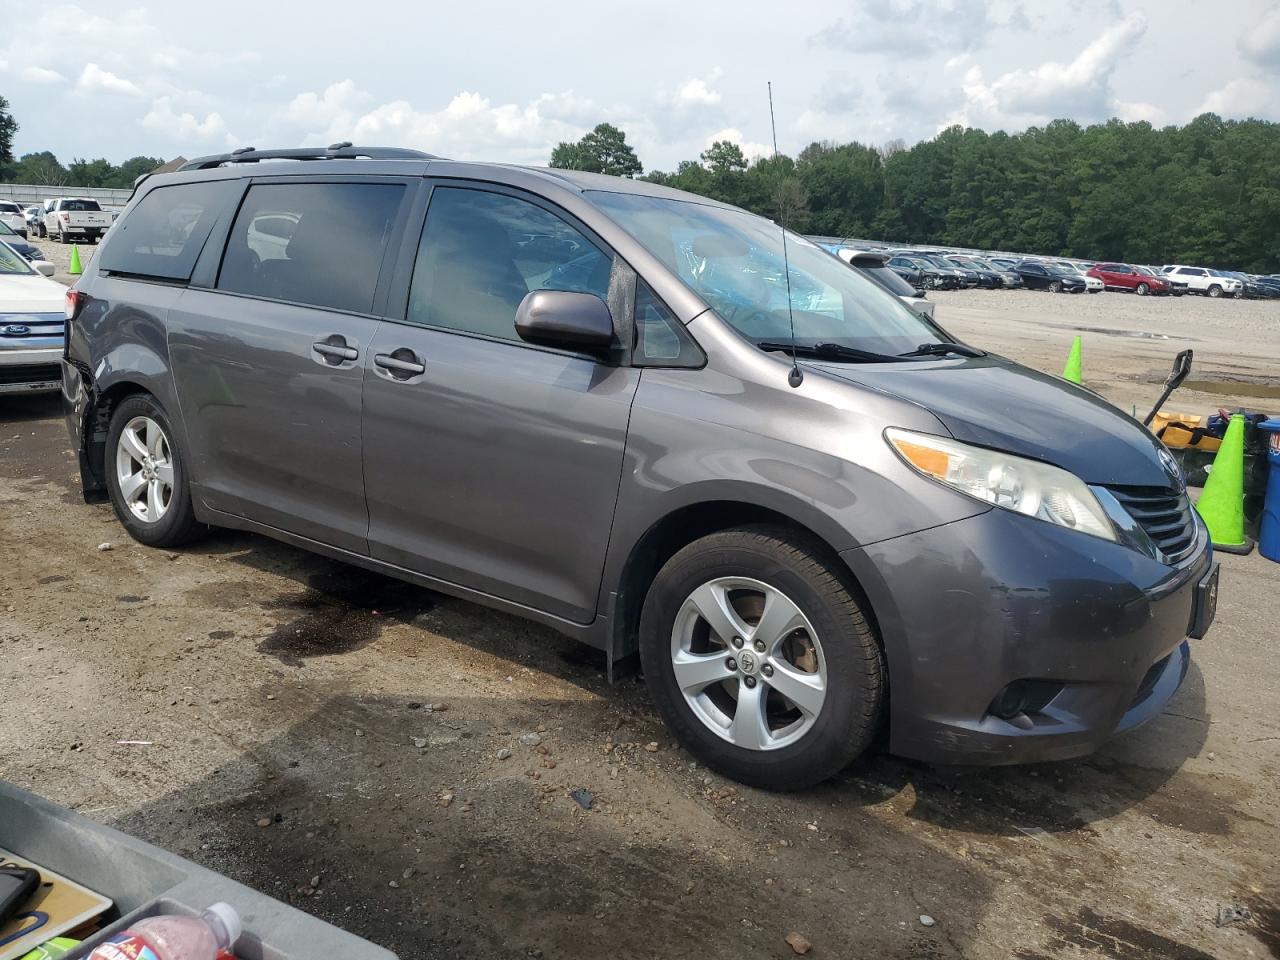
(748, 663)
(144, 469)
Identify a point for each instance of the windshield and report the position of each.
(6, 230)
(81, 205)
(734, 261)
(1059, 271)
(12, 262)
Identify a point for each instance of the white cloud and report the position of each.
(1137, 111)
(163, 119)
(470, 126)
(335, 106)
(1243, 97)
(41, 75)
(1080, 89)
(1260, 41)
(921, 28)
(94, 79)
(696, 92)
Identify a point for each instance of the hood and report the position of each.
(30, 293)
(994, 402)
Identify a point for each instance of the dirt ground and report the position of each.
(362, 719)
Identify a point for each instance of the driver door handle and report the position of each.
(401, 364)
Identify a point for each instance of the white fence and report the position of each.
(29, 194)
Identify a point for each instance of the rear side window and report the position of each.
(163, 235)
(319, 244)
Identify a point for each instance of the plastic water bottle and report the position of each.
(174, 938)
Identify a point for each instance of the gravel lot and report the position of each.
(364, 721)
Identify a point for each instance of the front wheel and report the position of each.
(147, 477)
(1215, 291)
(760, 660)
(1055, 287)
(1142, 290)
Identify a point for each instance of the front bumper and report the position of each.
(970, 607)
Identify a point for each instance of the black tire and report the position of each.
(850, 715)
(178, 524)
(1215, 291)
(1055, 286)
(1142, 290)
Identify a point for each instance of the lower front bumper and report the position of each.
(30, 370)
(969, 608)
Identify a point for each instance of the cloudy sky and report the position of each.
(508, 80)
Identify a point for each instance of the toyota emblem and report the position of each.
(1171, 468)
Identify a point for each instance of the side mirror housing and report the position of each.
(44, 268)
(571, 321)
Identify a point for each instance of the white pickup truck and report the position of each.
(74, 218)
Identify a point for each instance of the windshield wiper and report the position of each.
(942, 349)
(827, 351)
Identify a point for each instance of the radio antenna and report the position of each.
(795, 377)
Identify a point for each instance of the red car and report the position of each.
(1121, 276)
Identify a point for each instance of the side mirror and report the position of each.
(44, 268)
(1181, 368)
(572, 321)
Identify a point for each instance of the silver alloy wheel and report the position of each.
(749, 663)
(144, 469)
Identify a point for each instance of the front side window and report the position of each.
(481, 253)
(661, 340)
(163, 235)
(319, 244)
(12, 263)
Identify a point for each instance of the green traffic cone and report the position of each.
(1222, 502)
(1072, 370)
(75, 260)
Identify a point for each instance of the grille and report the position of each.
(43, 373)
(1164, 514)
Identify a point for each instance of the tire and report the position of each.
(1142, 290)
(163, 521)
(1055, 286)
(1215, 291)
(826, 653)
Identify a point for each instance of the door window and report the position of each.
(481, 253)
(661, 339)
(314, 243)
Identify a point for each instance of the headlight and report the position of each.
(1014, 483)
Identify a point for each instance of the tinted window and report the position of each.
(163, 235)
(80, 205)
(661, 339)
(314, 243)
(889, 280)
(481, 253)
(1033, 268)
(9, 208)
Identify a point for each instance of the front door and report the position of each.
(491, 463)
(269, 365)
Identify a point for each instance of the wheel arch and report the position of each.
(97, 421)
(683, 525)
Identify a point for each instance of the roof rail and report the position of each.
(336, 151)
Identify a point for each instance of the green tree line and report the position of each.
(1206, 193)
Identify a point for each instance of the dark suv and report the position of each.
(610, 407)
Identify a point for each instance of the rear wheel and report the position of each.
(147, 477)
(760, 660)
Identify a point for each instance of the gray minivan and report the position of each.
(808, 513)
